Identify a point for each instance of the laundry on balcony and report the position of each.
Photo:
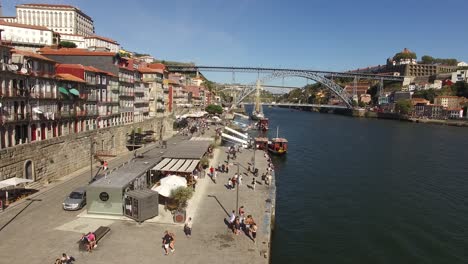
(37, 110)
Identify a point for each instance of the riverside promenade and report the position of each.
(41, 231)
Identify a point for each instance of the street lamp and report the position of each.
(91, 151)
(237, 182)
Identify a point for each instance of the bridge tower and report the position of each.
(382, 98)
(355, 84)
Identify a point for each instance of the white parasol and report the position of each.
(170, 183)
(13, 182)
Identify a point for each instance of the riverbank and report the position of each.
(390, 116)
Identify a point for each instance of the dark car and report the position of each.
(75, 200)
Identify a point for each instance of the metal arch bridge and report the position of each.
(305, 105)
(323, 77)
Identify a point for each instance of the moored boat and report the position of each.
(263, 124)
(278, 145)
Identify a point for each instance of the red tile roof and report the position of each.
(102, 38)
(157, 66)
(68, 77)
(31, 55)
(74, 52)
(10, 24)
(149, 70)
(86, 68)
(195, 90)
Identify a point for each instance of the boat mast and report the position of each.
(277, 129)
(258, 105)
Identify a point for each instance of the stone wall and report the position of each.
(57, 157)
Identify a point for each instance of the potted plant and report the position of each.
(204, 162)
(181, 196)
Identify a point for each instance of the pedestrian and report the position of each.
(188, 227)
(226, 169)
(167, 242)
(268, 179)
(214, 176)
(253, 231)
(230, 184)
(194, 184)
(223, 168)
(236, 228)
(232, 218)
(248, 168)
(105, 165)
(65, 259)
(234, 181)
(253, 183)
(239, 179)
(241, 211)
(211, 170)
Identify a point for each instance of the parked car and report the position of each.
(75, 200)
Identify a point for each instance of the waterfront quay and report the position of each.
(44, 230)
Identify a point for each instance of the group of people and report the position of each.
(89, 240)
(236, 179)
(65, 259)
(239, 223)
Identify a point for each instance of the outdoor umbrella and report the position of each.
(13, 181)
(170, 183)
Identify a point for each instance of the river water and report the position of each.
(369, 191)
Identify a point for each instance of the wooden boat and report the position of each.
(263, 124)
(278, 145)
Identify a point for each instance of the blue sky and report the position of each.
(315, 34)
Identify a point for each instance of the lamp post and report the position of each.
(237, 187)
(91, 145)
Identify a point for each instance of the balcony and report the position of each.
(81, 113)
(140, 90)
(114, 88)
(125, 109)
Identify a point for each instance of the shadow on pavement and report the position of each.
(216, 198)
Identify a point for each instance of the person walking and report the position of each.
(230, 186)
(253, 231)
(105, 165)
(239, 179)
(188, 227)
(167, 242)
(215, 175)
(253, 183)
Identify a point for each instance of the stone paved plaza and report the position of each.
(42, 231)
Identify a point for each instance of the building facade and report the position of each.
(23, 36)
(59, 18)
(448, 101)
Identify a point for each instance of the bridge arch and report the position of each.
(320, 78)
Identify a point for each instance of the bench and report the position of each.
(99, 234)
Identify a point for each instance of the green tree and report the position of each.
(214, 109)
(429, 94)
(403, 107)
(460, 89)
(67, 44)
(404, 55)
(426, 59)
(181, 196)
(362, 104)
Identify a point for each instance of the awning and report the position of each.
(177, 165)
(63, 90)
(161, 164)
(74, 92)
(13, 182)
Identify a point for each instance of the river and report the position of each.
(369, 191)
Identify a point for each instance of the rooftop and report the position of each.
(188, 150)
(68, 77)
(74, 52)
(31, 55)
(102, 38)
(10, 24)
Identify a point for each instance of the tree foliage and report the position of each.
(404, 55)
(181, 196)
(214, 109)
(67, 44)
(403, 107)
(426, 59)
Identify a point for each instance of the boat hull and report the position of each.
(275, 152)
